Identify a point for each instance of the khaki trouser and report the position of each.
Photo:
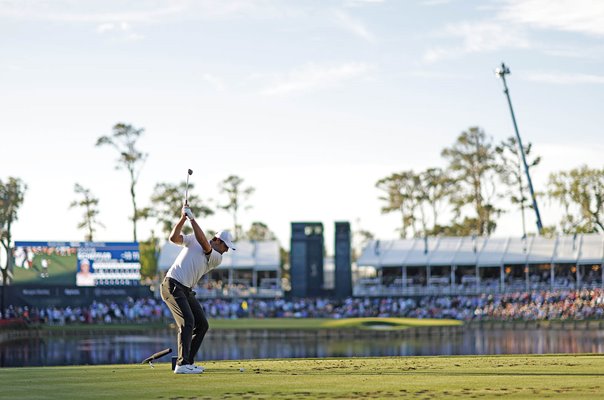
(189, 317)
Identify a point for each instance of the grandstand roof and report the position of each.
(542, 251)
(492, 252)
(591, 250)
(261, 255)
(267, 255)
(483, 251)
(445, 251)
(567, 249)
(421, 251)
(468, 251)
(517, 250)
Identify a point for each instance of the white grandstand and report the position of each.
(472, 265)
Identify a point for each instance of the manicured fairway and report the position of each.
(485, 377)
(328, 323)
(282, 324)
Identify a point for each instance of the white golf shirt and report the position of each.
(192, 263)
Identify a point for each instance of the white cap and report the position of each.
(226, 237)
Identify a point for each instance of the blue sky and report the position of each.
(311, 102)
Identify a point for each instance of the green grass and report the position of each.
(61, 271)
(327, 323)
(271, 323)
(462, 377)
(388, 323)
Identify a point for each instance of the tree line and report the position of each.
(165, 203)
(479, 177)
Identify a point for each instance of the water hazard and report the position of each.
(126, 349)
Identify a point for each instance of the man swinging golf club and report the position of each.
(198, 257)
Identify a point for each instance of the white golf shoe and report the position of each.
(187, 369)
(198, 367)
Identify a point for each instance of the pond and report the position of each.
(127, 349)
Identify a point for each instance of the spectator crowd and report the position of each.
(536, 305)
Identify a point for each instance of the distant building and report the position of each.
(343, 253)
(306, 259)
(473, 265)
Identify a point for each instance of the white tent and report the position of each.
(585, 249)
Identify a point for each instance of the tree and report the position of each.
(259, 231)
(237, 195)
(90, 204)
(580, 191)
(435, 187)
(149, 253)
(167, 202)
(472, 163)
(360, 238)
(124, 140)
(12, 194)
(401, 195)
(511, 170)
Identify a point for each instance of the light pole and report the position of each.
(502, 72)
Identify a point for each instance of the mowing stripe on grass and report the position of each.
(485, 377)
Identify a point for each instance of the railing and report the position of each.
(460, 289)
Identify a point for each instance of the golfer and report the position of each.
(197, 258)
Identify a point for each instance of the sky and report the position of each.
(310, 102)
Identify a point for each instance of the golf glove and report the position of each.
(189, 213)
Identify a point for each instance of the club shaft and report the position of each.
(187, 191)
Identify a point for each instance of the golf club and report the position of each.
(189, 173)
(155, 356)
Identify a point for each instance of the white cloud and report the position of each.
(133, 37)
(81, 12)
(213, 81)
(510, 27)
(585, 52)
(435, 2)
(314, 77)
(106, 27)
(565, 79)
(353, 25)
(353, 3)
(148, 11)
(423, 73)
(121, 30)
(478, 37)
(583, 16)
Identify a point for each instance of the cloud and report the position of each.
(106, 27)
(512, 22)
(113, 27)
(148, 11)
(315, 77)
(353, 25)
(582, 16)
(424, 73)
(353, 3)
(478, 37)
(565, 79)
(121, 30)
(435, 2)
(585, 52)
(81, 12)
(213, 81)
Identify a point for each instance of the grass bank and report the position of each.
(267, 323)
(485, 377)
